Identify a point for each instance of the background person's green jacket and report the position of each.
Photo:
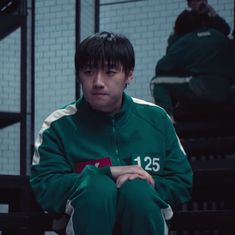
(206, 56)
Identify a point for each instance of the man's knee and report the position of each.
(161, 91)
(93, 209)
(137, 194)
(96, 189)
(100, 186)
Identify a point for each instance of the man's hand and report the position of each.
(123, 178)
(124, 173)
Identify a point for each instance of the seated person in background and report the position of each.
(208, 17)
(197, 68)
(109, 159)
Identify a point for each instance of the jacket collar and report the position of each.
(88, 113)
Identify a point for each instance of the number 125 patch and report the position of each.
(147, 163)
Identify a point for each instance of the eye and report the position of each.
(111, 72)
(88, 71)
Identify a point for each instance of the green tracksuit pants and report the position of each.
(167, 94)
(197, 91)
(99, 207)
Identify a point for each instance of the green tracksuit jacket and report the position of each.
(141, 133)
(206, 56)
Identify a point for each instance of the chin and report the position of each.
(98, 106)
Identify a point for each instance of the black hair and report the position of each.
(189, 21)
(105, 47)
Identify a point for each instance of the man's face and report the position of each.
(197, 5)
(103, 87)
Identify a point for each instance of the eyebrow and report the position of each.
(112, 66)
(105, 66)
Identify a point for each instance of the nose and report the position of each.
(98, 80)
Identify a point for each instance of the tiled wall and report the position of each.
(54, 53)
(87, 18)
(10, 101)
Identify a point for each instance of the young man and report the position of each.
(109, 160)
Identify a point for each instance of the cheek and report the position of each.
(85, 83)
(85, 89)
(119, 86)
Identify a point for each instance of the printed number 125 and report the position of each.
(152, 164)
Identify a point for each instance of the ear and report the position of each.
(130, 76)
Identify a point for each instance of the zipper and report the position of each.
(115, 141)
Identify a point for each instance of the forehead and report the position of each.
(195, 0)
(105, 64)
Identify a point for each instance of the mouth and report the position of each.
(99, 94)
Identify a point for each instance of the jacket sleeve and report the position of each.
(219, 24)
(53, 179)
(175, 60)
(175, 182)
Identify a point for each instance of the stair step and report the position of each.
(212, 182)
(209, 146)
(205, 128)
(25, 220)
(204, 220)
(202, 112)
